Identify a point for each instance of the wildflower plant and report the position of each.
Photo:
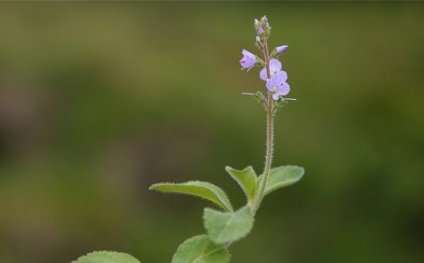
(225, 225)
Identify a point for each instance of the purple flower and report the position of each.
(277, 85)
(248, 61)
(281, 49)
(274, 68)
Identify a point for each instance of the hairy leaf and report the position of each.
(200, 249)
(228, 226)
(282, 176)
(204, 190)
(246, 178)
(106, 257)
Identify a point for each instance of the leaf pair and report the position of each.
(248, 181)
(225, 227)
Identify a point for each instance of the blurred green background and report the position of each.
(100, 100)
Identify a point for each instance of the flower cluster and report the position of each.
(272, 71)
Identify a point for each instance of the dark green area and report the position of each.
(100, 100)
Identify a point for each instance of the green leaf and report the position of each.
(106, 257)
(282, 176)
(200, 249)
(204, 190)
(246, 178)
(228, 227)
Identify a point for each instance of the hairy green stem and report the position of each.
(268, 157)
(269, 137)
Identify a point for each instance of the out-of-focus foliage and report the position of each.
(106, 257)
(100, 100)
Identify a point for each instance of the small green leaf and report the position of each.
(246, 178)
(204, 190)
(106, 257)
(200, 249)
(282, 176)
(228, 227)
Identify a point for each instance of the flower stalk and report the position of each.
(277, 87)
(269, 134)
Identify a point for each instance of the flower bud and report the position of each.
(256, 22)
(281, 49)
(260, 30)
(262, 27)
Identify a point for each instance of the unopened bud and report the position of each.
(282, 49)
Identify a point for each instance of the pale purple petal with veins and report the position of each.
(274, 65)
(274, 68)
(272, 83)
(283, 75)
(284, 89)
